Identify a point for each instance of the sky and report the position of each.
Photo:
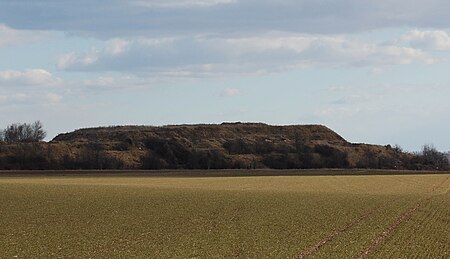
(373, 71)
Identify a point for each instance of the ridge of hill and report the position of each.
(221, 132)
(205, 146)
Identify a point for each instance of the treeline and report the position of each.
(429, 158)
(166, 155)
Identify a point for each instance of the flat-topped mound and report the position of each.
(201, 146)
(224, 131)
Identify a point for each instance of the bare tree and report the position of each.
(23, 132)
(432, 157)
(12, 133)
(38, 132)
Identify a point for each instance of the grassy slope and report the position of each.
(266, 216)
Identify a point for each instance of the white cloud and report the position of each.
(203, 56)
(115, 81)
(29, 77)
(72, 59)
(12, 37)
(230, 92)
(317, 49)
(113, 49)
(428, 40)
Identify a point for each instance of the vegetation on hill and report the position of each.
(224, 146)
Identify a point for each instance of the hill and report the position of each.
(228, 145)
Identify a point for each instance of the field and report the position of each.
(359, 216)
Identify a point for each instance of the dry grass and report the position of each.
(188, 217)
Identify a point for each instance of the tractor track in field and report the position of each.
(313, 249)
(392, 228)
(380, 239)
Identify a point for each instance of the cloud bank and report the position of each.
(203, 56)
(123, 18)
(209, 38)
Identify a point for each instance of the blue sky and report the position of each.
(373, 71)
